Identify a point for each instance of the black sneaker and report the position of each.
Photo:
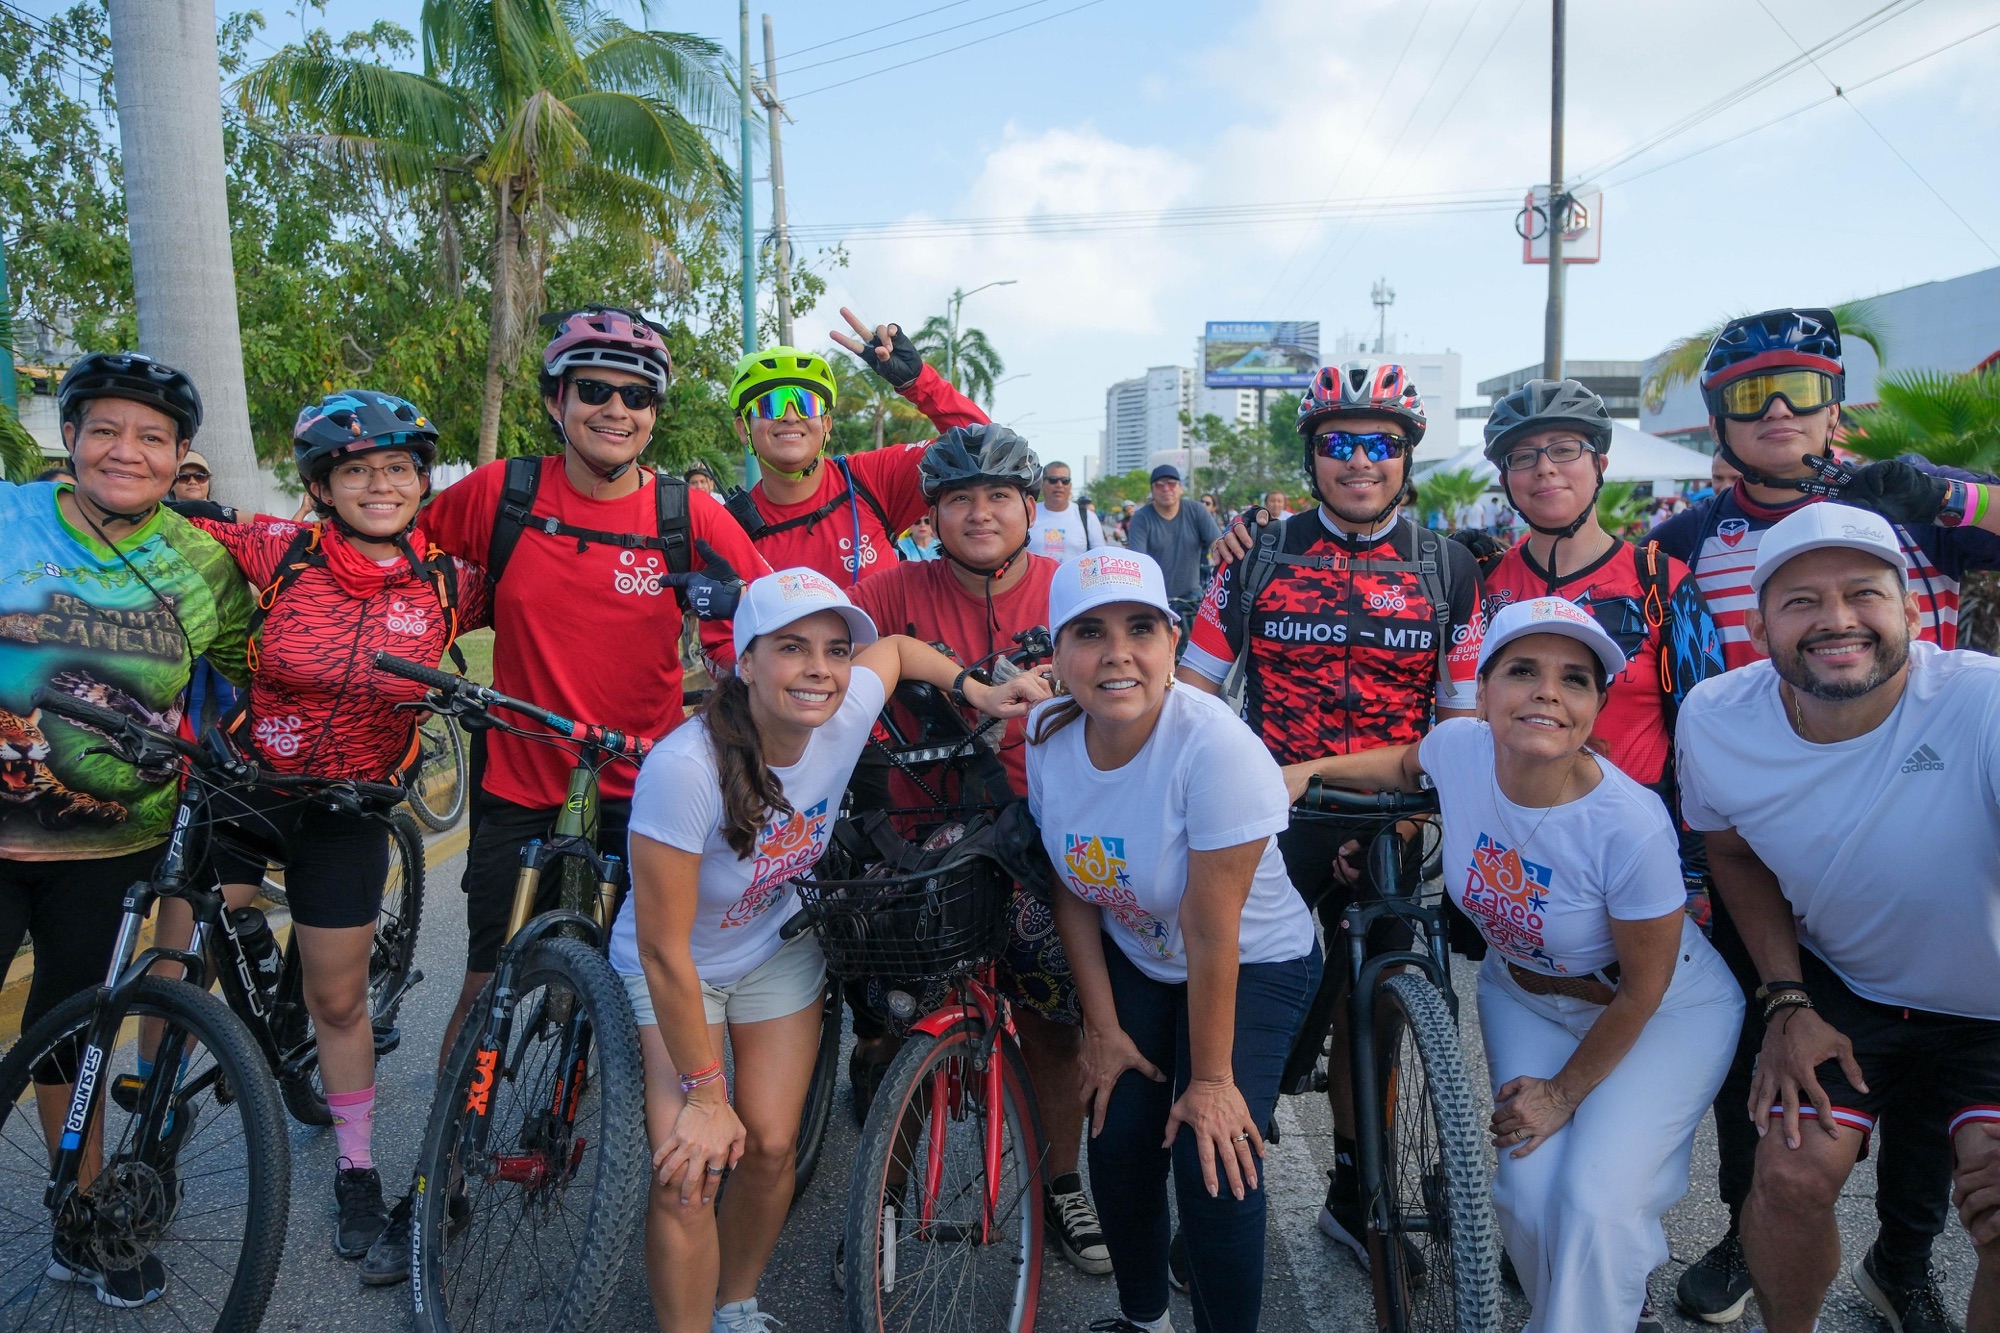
(1177, 1263)
(1919, 1308)
(387, 1263)
(357, 1192)
(1073, 1224)
(120, 1288)
(1343, 1220)
(1716, 1287)
(1649, 1322)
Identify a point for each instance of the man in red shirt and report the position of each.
(837, 514)
(982, 482)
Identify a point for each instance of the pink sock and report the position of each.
(354, 1125)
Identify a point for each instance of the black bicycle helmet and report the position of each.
(1547, 405)
(967, 454)
(135, 376)
(355, 421)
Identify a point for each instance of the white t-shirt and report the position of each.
(1887, 846)
(1059, 534)
(1120, 838)
(1544, 885)
(743, 900)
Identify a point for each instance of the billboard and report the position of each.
(1583, 239)
(1260, 354)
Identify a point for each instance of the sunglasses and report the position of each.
(1749, 398)
(1339, 445)
(1562, 451)
(1054, 481)
(773, 405)
(596, 393)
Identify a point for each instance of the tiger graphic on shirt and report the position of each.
(1507, 894)
(789, 845)
(27, 782)
(1094, 864)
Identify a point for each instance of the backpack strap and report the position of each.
(521, 480)
(1255, 575)
(301, 555)
(517, 514)
(1433, 564)
(743, 507)
(670, 518)
(1651, 564)
(856, 486)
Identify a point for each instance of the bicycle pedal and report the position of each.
(125, 1090)
(387, 1040)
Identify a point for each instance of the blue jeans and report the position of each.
(1128, 1167)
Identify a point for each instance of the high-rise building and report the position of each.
(1142, 417)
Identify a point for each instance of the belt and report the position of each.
(1597, 988)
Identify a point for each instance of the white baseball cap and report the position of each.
(1096, 578)
(1551, 615)
(776, 600)
(1818, 526)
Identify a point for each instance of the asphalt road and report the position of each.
(1310, 1284)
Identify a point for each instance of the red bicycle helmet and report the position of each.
(607, 337)
(1362, 388)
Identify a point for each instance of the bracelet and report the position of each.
(1964, 505)
(958, 689)
(1786, 1000)
(1765, 991)
(689, 1082)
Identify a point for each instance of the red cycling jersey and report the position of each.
(592, 634)
(889, 475)
(317, 703)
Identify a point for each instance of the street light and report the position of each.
(958, 303)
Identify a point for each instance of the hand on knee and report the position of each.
(1976, 1186)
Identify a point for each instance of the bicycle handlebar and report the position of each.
(116, 726)
(458, 689)
(1321, 799)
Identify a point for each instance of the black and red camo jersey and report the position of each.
(1344, 659)
(317, 703)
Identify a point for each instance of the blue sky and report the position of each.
(1118, 106)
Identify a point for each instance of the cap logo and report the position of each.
(1862, 532)
(806, 585)
(1096, 571)
(1548, 608)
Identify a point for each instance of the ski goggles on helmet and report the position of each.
(1749, 398)
(1339, 445)
(596, 393)
(771, 406)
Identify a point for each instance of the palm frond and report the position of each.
(353, 97)
(1680, 360)
(644, 138)
(20, 456)
(541, 141)
(1947, 418)
(1450, 492)
(687, 71)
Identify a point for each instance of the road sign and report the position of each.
(1583, 238)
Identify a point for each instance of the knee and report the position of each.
(341, 1007)
(664, 1206)
(1792, 1184)
(768, 1151)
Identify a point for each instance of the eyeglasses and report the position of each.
(192, 476)
(1562, 451)
(360, 476)
(1747, 399)
(1048, 480)
(596, 393)
(1378, 446)
(773, 405)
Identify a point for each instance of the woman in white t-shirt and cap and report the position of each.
(726, 812)
(1608, 1019)
(1194, 957)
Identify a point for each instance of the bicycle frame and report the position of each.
(978, 1002)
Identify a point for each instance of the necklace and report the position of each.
(1798, 716)
(1521, 844)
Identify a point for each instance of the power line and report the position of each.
(880, 27)
(920, 37)
(1047, 18)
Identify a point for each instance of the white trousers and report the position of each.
(1581, 1214)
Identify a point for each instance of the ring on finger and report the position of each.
(715, 1170)
(1244, 1137)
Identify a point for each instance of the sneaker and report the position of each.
(1343, 1221)
(1177, 1263)
(1164, 1324)
(743, 1317)
(387, 1263)
(1072, 1222)
(120, 1288)
(1716, 1287)
(1913, 1309)
(1650, 1322)
(357, 1192)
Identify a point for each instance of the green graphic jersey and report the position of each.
(117, 632)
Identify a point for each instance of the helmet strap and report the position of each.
(801, 474)
(1367, 524)
(1752, 475)
(998, 571)
(602, 474)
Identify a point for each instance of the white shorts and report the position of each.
(789, 980)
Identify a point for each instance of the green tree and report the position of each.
(1620, 511)
(547, 118)
(1680, 361)
(1450, 493)
(967, 358)
(1246, 460)
(1108, 493)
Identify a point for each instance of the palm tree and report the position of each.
(553, 114)
(867, 412)
(1681, 360)
(1450, 493)
(966, 357)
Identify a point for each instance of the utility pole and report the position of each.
(957, 303)
(9, 389)
(781, 248)
(1552, 332)
(177, 219)
(750, 469)
(1383, 296)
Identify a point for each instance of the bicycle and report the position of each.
(437, 778)
(1433, 1242)
(532, 1177)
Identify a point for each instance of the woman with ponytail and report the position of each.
(726, 813)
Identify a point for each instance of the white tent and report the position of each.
(1635, 456)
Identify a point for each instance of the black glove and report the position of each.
(711, 594)
(1897, 491)
(903, 364)
(208, 509)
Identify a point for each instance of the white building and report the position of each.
(1142, 417)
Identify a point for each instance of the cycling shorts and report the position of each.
(1946, 1063)
(500, 829)
(335, 862)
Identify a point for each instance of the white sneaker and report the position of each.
(743, 1317)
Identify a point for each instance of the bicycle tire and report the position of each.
(871, 1309)
(820, 1093)
(607, 1132)
(389, 963)
(1435, 1170)
(230, 1084)
(438, 740)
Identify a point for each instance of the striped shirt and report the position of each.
(1718, 537)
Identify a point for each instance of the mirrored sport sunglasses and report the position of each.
(1339, 445)
(771, 406)
(596, 393)
(1749, 398)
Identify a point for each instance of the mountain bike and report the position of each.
(532, 1177)
(437, 778)
(1433, 1242)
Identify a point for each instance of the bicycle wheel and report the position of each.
(205, 1190)
(437, 779)
(1445, 1273)
(530, 1231)
(819, 1093)
(389, 967)
(917, 1216)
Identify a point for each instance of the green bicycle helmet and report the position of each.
(776, 367)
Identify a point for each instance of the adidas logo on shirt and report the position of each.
(1923, 760)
